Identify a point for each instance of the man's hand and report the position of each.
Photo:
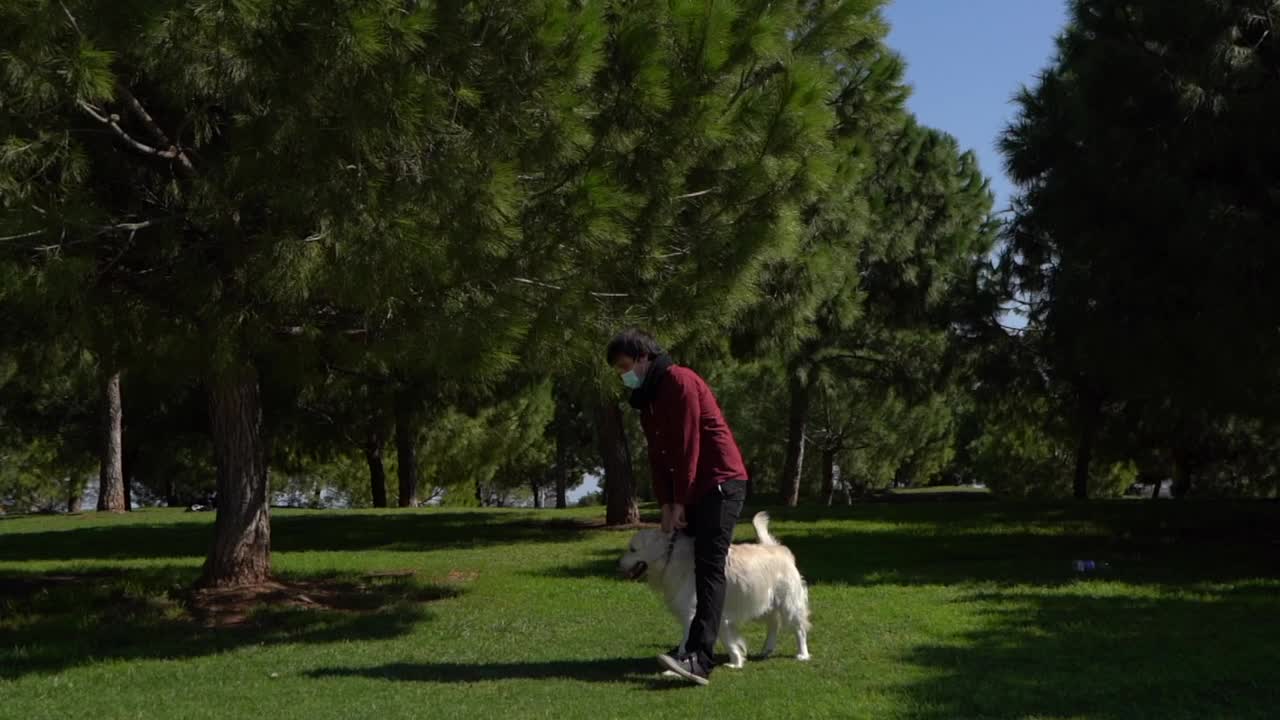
(677, 517)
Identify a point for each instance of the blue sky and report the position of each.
(966, 59)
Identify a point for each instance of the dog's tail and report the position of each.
(761, 523)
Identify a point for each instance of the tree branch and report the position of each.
(21, 236)
(112, 121)
(70, 17)
(132, 226)
(851, 356)
(549, 286)
(538, 283)
(132, 102)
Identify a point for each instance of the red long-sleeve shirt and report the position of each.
(691, 449)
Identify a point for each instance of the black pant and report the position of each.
(711, 523)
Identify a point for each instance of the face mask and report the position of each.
(631, 379)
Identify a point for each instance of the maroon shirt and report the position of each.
(691, 449)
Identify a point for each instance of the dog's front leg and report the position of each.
(686, 604)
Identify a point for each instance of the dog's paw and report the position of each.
(736, 665)
(669, 673)
(803, 658)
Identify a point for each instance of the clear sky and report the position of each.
(966, 59)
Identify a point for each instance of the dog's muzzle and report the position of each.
(637, 571)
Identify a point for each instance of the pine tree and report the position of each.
(248, 203)
(1153, 118)
(709, 129)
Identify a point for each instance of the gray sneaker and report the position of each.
(687, 667)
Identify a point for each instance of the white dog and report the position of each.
(761, 582)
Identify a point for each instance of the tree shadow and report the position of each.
(1007, 544)
(1004, 544)
(596, 564)
(1153, 653)
(641, 673)
(52, 622)
(330, 532)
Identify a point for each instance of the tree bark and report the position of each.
(828, 476)
(1090, 411)
(562, 486)
(111, 497)
(797, 421)
(565, 440)
(537, 494)
(377, 471)
(615, 456)
(73, 495)
(406, 450)
(129, 465)
(241, 553)
(1181, 485)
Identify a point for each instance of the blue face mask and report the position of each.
(631, 379)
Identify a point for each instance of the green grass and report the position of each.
(934, 611)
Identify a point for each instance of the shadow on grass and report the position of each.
(330, 531)
(640, 672)
(52, 622)
(1166, 544)
(594, 564)
(1107, 656)
(1006, 544)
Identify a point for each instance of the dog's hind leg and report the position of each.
(802, 639)
(771, 640)
(735, 644)
(795, 609)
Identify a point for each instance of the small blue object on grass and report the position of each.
(1085, 566)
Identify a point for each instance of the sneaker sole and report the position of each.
(673, 666)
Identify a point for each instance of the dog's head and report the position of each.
(647, 553)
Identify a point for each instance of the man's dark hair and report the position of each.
(635, 343)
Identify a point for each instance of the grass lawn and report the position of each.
(934, 610)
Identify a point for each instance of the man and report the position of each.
(698, 477)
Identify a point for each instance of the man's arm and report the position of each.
(688, 436)
(659, 472)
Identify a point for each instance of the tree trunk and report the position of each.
(562, 486)
(615, 456)
(241, 552)
(129, 465)
(128, 486)
(797, 420)
(537, 495)
(565, 440)
(73, 494)
(1090, 410)
(377, 471)
(828, 476)
(111, 497)
(1181, 475)
(406, 450)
